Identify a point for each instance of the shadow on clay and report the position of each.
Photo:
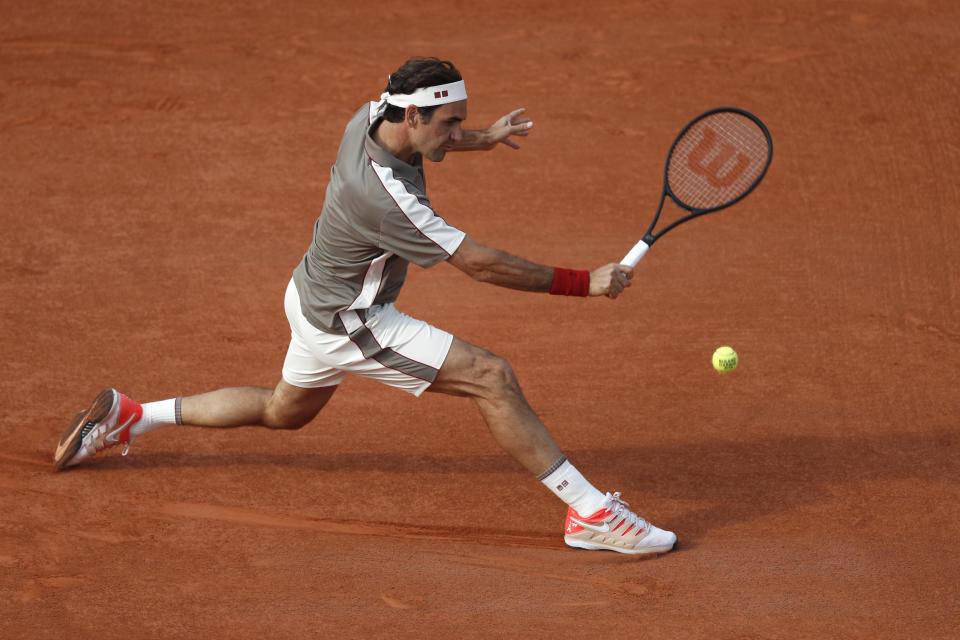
(738, 481)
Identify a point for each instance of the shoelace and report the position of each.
(619, 506)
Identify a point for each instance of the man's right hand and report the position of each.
(610, 280)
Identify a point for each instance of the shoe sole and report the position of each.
(650, 551)
(72, 438)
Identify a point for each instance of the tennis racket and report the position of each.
(715, 162)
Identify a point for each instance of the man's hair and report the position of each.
(417, 73)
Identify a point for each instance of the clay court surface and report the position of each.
(161, 167)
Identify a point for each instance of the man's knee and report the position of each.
(475, 372)
(279, 415)
(495, 373)
(293, 408)
(289, 421)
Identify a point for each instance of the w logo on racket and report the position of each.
(711, 171)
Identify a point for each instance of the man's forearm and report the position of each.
(474, 140)
(513, 272)
(503, 269)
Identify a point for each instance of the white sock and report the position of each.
(569, 485)
(157, 414)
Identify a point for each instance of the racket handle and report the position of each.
(632, 258)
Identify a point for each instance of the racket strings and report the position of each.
(720, 158)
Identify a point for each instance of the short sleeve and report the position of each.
(419, 236)
(413, 231)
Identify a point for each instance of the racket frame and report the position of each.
(639, 249)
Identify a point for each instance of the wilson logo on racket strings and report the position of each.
(711, 172)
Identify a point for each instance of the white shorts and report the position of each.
(383, 345)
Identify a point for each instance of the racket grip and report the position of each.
(632, 258)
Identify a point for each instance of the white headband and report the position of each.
(428, 96)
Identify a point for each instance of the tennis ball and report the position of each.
(725, 359)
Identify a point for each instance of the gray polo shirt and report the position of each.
(376, 219)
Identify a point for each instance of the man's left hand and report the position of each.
(509, 125)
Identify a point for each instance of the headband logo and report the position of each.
(441, 94)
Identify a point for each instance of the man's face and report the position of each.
(433, 139)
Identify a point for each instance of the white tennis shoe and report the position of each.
(105, 424)
(615, 528)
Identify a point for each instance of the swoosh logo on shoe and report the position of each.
(110, 437)
(586, 525)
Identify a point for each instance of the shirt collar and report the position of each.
(383, 157)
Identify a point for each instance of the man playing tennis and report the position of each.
(376, 219)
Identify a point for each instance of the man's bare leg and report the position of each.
(285, 407)
(490, 381)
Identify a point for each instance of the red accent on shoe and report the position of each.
(130, 414)
(573, 527)
(599, 516)
(570, 525)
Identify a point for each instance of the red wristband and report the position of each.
(568, 282)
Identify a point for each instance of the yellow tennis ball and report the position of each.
(725, 359)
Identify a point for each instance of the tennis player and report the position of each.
(376, 219)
